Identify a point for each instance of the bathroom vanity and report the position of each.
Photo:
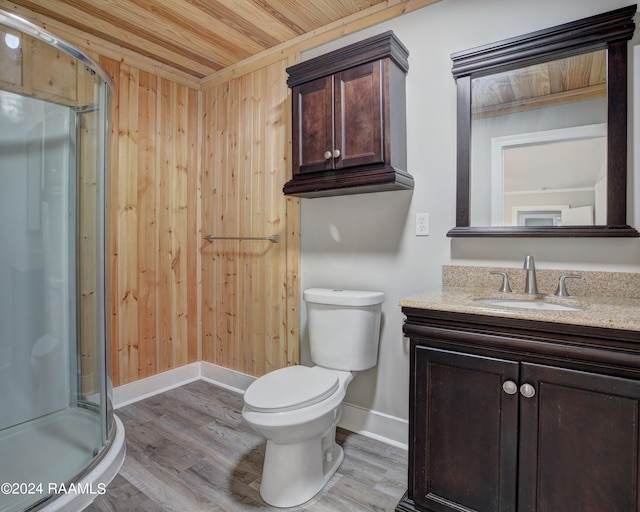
(520, 408)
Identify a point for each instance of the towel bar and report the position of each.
(273, 238)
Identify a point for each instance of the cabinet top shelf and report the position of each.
(374, 48)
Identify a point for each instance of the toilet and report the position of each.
(296, 409)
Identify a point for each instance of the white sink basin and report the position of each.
(529, 304)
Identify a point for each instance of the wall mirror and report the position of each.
(542, 132)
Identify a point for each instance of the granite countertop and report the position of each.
(608, 312)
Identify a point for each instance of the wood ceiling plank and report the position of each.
(173, 30)
(266, 6)
(96, 47)
(199, 38)
(577, 76)
(357, 5)
(306, 15)
(190, 27)
(118, 29)
(550, 100)
(579, 70)
(598, 68)
(122, 33)
(360, 20)
(250, 18)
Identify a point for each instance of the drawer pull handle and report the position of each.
(527, 390)
(327, 155)
(336, 153)
(509, 387)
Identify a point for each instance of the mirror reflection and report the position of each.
(538, 145)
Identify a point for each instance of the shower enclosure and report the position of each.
(57, 427)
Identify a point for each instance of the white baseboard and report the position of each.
(224, 377)
(377, 425)
(373, 424)
(149, 386)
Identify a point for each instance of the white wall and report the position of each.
(367, 241)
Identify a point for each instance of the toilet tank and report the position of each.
(344, 327)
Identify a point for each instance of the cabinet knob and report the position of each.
(327, 155)
(509, 387)
(527, 390)
(336, 153)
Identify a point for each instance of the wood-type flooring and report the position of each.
(189, 450)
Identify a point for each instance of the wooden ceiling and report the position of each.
(195, 38)
(575, 78)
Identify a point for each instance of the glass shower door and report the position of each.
(50, 415)
(57, 427)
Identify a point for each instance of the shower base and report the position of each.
(40, 453)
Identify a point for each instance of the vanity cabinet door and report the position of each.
(465, 432)
(579, 441)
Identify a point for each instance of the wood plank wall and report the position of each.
(88, 258)
(153, 224)
(182, 159)
(250, 289)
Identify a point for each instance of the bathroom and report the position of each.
(184, 309)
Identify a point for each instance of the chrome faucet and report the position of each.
(531, 285)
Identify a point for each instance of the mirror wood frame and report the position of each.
(609, 31)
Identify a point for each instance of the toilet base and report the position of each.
(295, 473)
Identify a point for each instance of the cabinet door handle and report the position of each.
(327, 155)
(527, 390)
(509, 387)
(336, 153)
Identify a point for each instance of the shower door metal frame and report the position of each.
(103, 404)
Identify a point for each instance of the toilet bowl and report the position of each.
(296, 409)
(301, 453)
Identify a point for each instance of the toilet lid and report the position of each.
(290, 388)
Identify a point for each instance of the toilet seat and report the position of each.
(290, 388)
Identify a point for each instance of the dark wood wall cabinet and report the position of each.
(349, 120)
(519, 415)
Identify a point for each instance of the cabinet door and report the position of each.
(359, 115)
(578, 442)
(465, 432)
(312, 126)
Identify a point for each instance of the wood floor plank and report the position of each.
(189, 450)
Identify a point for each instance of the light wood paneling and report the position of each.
(153, 220)
(236, 303)
(193, 37)
(574, 78)
(51, 72)
(89, 160)
(11, 59)
(210, 42)
(249, 288)
(37, 69)
(88, 257)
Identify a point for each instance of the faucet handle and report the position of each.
(529, 262)
(561, 290)
(505, 288)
